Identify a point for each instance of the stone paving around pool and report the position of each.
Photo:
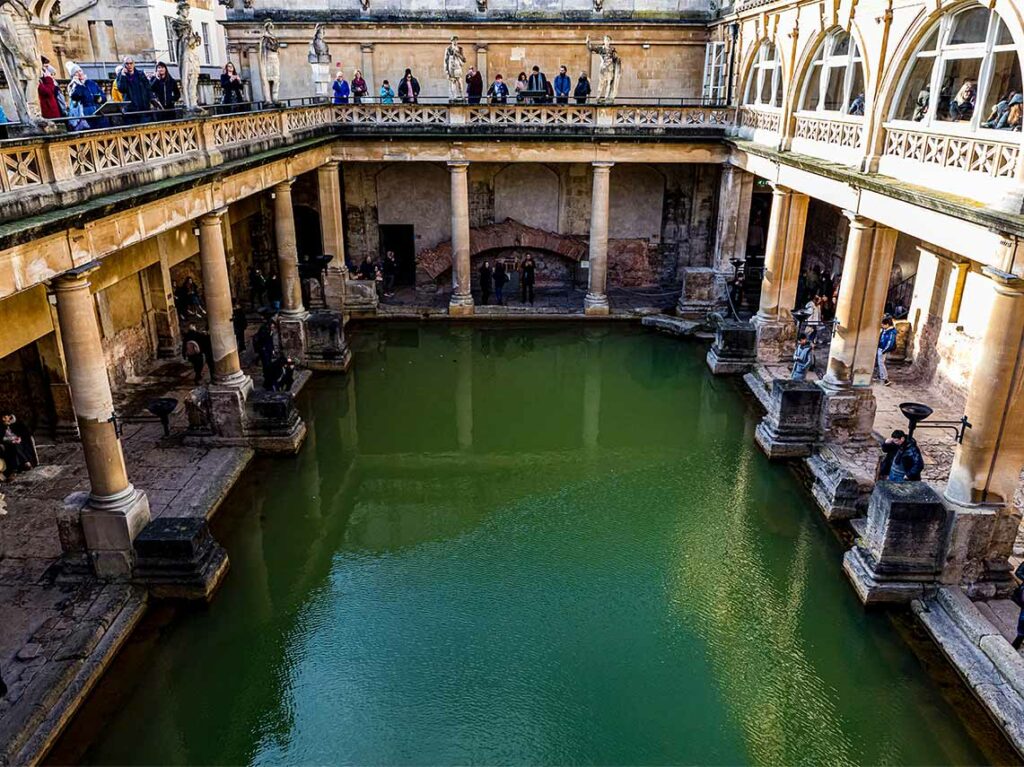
(60, 625)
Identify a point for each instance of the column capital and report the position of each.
(1004, 281)
(74, 279)
(458, 166)
(604, 165)
(366, 47)
(283, 186)
(330, 165)
(779, 190)
(481, 47)
(214, 217)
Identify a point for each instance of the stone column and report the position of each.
(462, 297)
(366, 51)
(293, 313)
(596, 301)
(481, 65)
(332, 230)
(774, 321)
(850, 409)
(986, 471)
(113, 512)
(927, 308)
(227, 370)
(735, 194)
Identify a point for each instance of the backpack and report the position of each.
(192, 348)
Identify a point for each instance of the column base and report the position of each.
(292, 330)
(775, 338)
(596, 305)
(361, 298)
(109, 526)
(227, 416)
(792, 426)
(697, 298)
(177, 558)
(980, 545)
(461, 306)
(849, 412)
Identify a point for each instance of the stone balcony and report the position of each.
(58, 170)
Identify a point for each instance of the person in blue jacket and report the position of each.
(886, 343)
(341, 89)
(803, 358)
(901, 458)
(563, 86)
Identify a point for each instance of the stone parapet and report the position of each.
(177, 558)
(734, 349)
(792, 426)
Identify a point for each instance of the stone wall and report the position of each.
(660, 221)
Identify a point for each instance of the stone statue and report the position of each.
(319, 53)
(481, 5)
(19, 58)
(365, 4)
(598, 6)
(270, 62)
(186, 48)
(454, 58)
(611, 69)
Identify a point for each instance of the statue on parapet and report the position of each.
(319, 53)
(454, 59)
(186, 47)
(20, 60)
(270, 62)
(610, 71)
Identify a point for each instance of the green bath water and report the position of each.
(522, 545)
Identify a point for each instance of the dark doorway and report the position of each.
(401, 239)
(308, 240)
(24, 389)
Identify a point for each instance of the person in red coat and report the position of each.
(48, 97)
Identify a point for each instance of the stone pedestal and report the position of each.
(225, 416)
(177, 558)
(849, 412)
(326, 347)
(734, 350)
(979, 546)
(792, 426)
(361, 298)
(109, 526)
(838, 493)
(274, 419)
(321, 77)
(292, 330)
(903, 549)
(334, 288)
(776, 339)
(699, 295)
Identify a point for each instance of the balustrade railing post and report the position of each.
(58, 161)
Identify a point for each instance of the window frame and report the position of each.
(715, 72)
(755, 80)
(823, 62)
(172, 56)
(207, 45)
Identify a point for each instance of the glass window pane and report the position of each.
(1004, 93)
(1003, 36)
(914, 101)
(931, 40)
(856, 105)
(841, 44)
(959, 90)
(970, 26)
(834, 89)
(766, 86)
(813, 89)
(777, 96)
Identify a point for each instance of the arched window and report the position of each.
(764, 86)
(835, 80)
(966, 71)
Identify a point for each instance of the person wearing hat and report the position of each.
(409, 88)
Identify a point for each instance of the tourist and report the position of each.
(390, 273)
(282, 374)
(257, 286)
(387, 93)
(409, 88)
(19, 452)
(378, 282)
(857, 105)
(366, 269)
(498, 92)
(924, 96)
(231, 86)
(886, 343)
(239, 322)
(803, 358)
(263, 345)
(474, 86)
(901, 458)
(340, 88)
(962, 106)
(49, 107)
(538, 83)
(86, 97)
(486, 281)
(190, 301)
(999, 117)
(522, 84)
(813, 309)
(165, 88)
(359, 87)
(274, 291)
(192, 350)
(135, 90)
(529, 278)
(500, 278)
(563, 84)
(582, 91)
(513, 273)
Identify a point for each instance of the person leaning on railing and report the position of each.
(136, 92)
(231, 85)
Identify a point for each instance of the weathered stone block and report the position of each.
(177, 558)
(849, 413)
(838, 493)
(979, 546)
(326, 347)
(274, 425)
(360, 297)
(734, 350)
(776, 339)
(904, 547)
(792, 426)
(698, 294)
(293, 336)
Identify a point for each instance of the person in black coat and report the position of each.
(474, 86)
(486, 282)
(529, 278)
(134, 88)
(239, 322)
(263, 345)
(901, 458)
(408, 90)
(197, 348)
(19, 453)
(165, 88)
(582, 92)
(367, 271)
(231, 85)
(500, 278)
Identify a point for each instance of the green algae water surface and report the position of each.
(525, 545)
